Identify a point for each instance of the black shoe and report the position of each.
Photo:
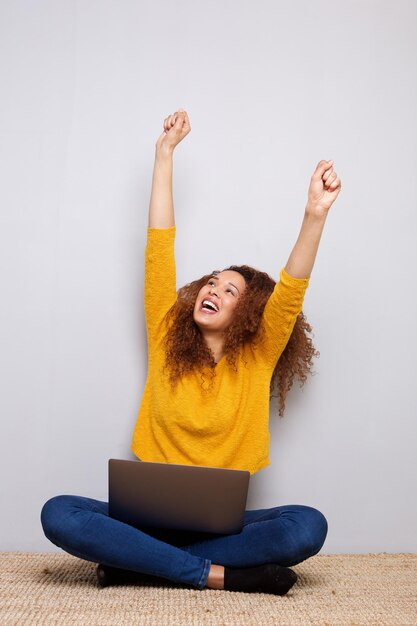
(269, 578)
(107, 576)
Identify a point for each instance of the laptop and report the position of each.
(178, 497)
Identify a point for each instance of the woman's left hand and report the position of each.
(324, 188)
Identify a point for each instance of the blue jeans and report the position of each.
(285, 535)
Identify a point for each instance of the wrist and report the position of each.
(315, 212)
(164, 152)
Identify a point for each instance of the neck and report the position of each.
(215, 343)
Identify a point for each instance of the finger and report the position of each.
(327, 174)
(169, 122)
(335, 184)
(330, 179)
(322, 166)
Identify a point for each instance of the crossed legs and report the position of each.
(283, 535)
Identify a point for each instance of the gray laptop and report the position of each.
(178, 497)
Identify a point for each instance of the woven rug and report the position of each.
(332, 590)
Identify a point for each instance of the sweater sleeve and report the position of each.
(160, 280)
(280, 314)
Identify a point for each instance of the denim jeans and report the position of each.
(285, 535)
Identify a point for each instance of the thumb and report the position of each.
(180, 118)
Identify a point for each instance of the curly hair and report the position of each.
(186, 350)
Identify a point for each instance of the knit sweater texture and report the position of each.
(224, 424)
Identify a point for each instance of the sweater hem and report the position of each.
(251, 470)
(259, 466)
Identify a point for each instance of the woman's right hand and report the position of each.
(176, 127)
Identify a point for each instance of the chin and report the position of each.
(203, 322)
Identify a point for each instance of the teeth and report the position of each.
(210, 304)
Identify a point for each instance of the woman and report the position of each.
(214, 348)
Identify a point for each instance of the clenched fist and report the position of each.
(324, 188)
(176, 127)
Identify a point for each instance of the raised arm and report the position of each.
(161, 207)
(324, 188)
(285, 303)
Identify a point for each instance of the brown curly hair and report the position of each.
(186, 350)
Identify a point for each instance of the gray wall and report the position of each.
(270, 87)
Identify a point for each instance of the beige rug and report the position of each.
(332, 590)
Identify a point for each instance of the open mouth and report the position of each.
(209, 307)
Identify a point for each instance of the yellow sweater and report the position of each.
(228, 425)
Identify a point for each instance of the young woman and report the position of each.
(214, 349)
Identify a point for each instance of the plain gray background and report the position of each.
(271, 87)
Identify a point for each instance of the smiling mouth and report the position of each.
(209, 307)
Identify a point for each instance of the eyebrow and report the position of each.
(216, 277)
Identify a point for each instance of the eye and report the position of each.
(230, 291)
(211, 282)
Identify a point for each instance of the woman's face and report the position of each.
(217, 300)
